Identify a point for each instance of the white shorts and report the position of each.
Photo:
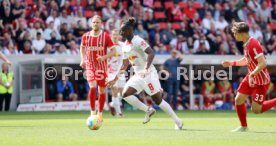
(121, 82)
(150, 84)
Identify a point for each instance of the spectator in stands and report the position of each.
(65, 90)
(62, 50)
(24, 37)
(80, 29)
(243, 13)
(221, 23)
(28, 48)
(17, 9)
(115, 21)
(121, 12)
(54, 40)
(80, 17)
(217, 12)
(271, 45)
(47, 50)
(53, 6)
(190, 11)
(8, 34)
(202, 11)
(36, 29)
(91, 5)
(273, 14)
(7, 17)
(207, 21)
(74, 48)
(267, 33)
(253, 5)
(202, 49)
(141, 32)
(6, 87)
(64, 18)
(108, 12)
(158, 46)
(201, 43)
(183, 31)
(167, 34)
(64, 31)
(232, 12)
(177, 42)
(150, 23)
(70, 37)
(10, 49)
(136, 10)
(175, 14)
(55, 19)
(38, 44)
(173, 82)
(256, 33)
(78, 8)
(48, 31)
(264, 12)
(68, 8)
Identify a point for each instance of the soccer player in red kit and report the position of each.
(94, 57)
(256, 82)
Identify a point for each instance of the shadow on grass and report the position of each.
(202, 130)
(15, 126)
(262, 132)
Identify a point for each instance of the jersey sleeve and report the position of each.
(142, 43)
(255, 50)
(108, 42)
(83, 40)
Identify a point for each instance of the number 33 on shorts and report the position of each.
(259, 98)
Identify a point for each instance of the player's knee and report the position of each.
(238, 101)
(256, 110)
(125, 94)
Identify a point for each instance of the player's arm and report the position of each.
(260, 66)
(150, 58)
(82, 54)
(110, 54)
(123, 68)
(241, 62)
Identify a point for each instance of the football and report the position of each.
(93, 122)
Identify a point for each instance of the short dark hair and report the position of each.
(240, 27)
(130, 22)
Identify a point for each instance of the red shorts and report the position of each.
(96, 75)
(258, 92)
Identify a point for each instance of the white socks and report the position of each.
(168, 109)
(134, 101)
(116, 105)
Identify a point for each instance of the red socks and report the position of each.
(101, 101)
(241, 111)
(268, 104)
(92, 97)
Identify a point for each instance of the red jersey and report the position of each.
(253, 50)
(96, 46)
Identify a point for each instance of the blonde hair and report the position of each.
(97, 16)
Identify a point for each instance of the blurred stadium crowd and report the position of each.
(189, 26)
(192, 27)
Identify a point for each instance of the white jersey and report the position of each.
(115, 62)
(134, 51)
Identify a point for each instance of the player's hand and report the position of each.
(8, 62)
(251, 80)
(100, 58)
(111, 83)
(227, 63)
(82, 64)
(144, 73)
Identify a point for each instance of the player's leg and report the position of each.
(157, 98)
(101, 99)
(112, 103)
(259, 105)
(115, 101)
(241, 111)
(92, 96)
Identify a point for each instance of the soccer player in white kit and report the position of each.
(114, 66)
(140, 55)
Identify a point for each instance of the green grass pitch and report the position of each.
(200, 128)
